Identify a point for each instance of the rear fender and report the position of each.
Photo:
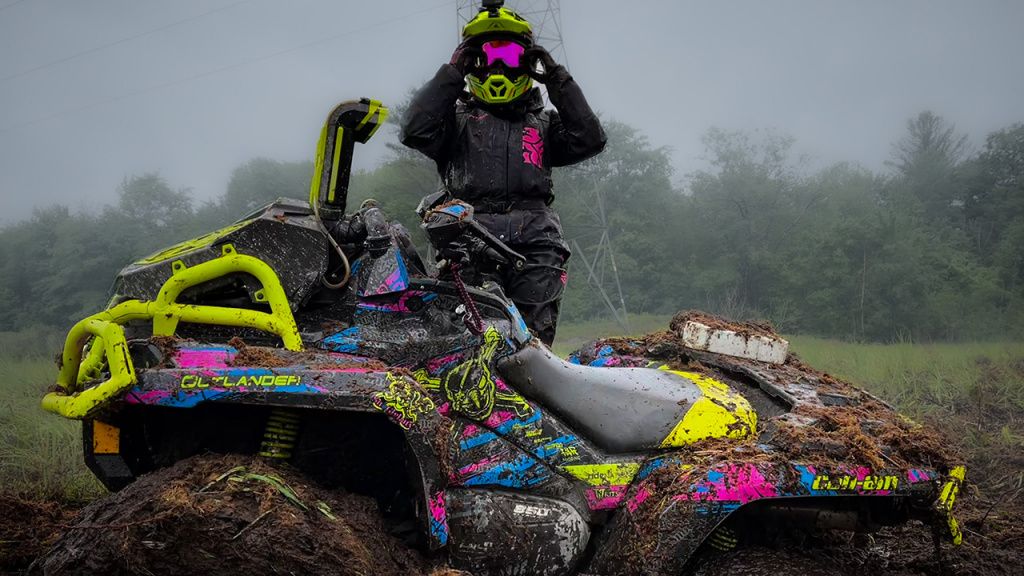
(673, 506)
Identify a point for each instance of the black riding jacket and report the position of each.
(499, 158)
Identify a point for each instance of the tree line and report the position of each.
(930, 248)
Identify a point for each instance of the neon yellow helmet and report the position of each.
(503, 36)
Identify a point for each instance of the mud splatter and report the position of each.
(718, 323)
(28, 528)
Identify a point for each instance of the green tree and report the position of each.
(149, 199)
(926, 160)
(399, 184)
(261, 181)
(748, 204)
(629, 184)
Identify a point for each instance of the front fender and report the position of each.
(227, 400)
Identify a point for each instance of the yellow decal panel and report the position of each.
(106, 439)
(852, 483)
(193, 381)
(402, 401)
(947, 497)
(192, 245)
(471, 388)
(718, 413)
(604, 474)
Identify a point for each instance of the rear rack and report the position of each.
(109, 346)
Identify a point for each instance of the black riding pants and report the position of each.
(537, 289)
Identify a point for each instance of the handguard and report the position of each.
(451, 226)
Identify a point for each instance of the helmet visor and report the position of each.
(509, 53)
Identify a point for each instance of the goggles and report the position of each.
(506, 52)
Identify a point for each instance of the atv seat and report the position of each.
(619, 409)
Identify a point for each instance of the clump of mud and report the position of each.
(229, 515)
(249, 356)
(256, 356)
(679, 321)
(27, 528)
(868, 433)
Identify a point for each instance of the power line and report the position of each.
(216, 71)
(6, 6)
(116, 42)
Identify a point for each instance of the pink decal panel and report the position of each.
(533, 147)
(498, 418)
(730, 483)
(438, 517)
(204, 357)
(639, 498)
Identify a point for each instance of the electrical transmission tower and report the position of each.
(598, 257)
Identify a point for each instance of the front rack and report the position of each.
(109, 348)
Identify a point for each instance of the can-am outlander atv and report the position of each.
(346, 358)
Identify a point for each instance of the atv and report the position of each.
(309, 335)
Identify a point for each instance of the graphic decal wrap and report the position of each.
(533, 147)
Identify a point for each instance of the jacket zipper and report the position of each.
(508, 163)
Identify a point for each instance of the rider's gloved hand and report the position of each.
(535, 55)
(456, 252)
(466, 58)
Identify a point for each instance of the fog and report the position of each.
(93, 91)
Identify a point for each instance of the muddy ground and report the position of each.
(210, 515)
(195, 518)
(993, 545)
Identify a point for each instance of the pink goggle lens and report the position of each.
(503, 51)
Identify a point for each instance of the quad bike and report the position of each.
(346, 358)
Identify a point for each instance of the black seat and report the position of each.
(619, 409)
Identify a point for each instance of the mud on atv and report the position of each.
(345, 358)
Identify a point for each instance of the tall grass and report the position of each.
(40, 453)
(986, 379)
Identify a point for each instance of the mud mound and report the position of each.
(718, 323)
(27, 529)
(836, 422)
(869, 433)
(833, 423)
(229, 515)
(992, 548)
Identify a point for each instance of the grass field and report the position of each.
(40, 454)
(572, 336)
(926, 377)
(974, 392)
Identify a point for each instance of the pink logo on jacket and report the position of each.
(533, 147)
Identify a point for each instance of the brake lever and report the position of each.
(517, 260)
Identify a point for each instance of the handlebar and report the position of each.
(451, 226)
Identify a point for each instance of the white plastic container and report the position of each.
(758, 347)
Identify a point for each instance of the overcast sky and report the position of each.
(92, 91)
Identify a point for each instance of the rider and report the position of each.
(495, 147)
